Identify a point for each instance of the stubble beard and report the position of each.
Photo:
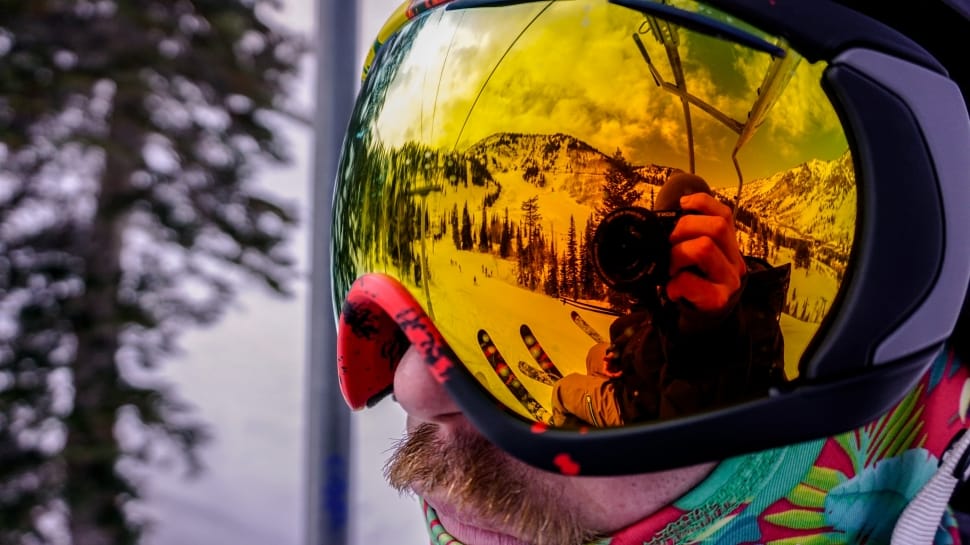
(472, 474)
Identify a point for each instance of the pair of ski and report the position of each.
(543, 370)
(547, 373)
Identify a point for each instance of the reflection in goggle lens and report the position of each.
(522, 171)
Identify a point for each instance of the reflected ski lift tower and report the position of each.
(784, 61)
(775, 80)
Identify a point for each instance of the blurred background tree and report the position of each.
(130, 135)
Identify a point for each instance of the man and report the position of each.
(466, 102)
(705, 337)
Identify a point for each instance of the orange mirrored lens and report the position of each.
(611, 218)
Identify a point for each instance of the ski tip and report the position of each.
(525, 330)
(483, 337)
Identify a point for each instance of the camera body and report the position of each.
(631, 248)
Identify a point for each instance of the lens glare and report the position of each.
(521, 171)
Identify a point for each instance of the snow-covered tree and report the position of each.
(130, 134)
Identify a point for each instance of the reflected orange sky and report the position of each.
(473, 73)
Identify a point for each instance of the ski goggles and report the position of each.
(615, 230)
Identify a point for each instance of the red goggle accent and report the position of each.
(378, 323)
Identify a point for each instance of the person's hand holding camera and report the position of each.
(706, 267)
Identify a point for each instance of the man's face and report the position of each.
(485, 497)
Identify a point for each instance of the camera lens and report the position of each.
(630, 249)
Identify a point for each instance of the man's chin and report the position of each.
(470, 529)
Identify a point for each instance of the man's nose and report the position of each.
(421, 395)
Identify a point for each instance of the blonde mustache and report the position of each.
(475, 475)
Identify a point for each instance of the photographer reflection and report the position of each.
(703, 331)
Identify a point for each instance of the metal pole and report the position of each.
(328, 419)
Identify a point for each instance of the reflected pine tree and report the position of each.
(620, 185)
(359, 206)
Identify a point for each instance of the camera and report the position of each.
(631, 248)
